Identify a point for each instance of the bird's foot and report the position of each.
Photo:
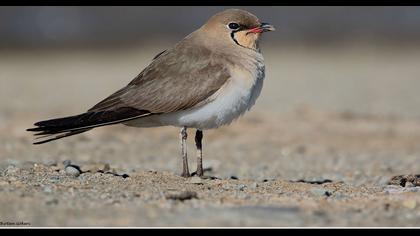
(185, 175)
(199, 172)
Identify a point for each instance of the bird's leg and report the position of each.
(198, 144)
(183, 135)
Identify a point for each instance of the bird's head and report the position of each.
(238, 26)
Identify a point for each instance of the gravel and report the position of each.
(301, 157)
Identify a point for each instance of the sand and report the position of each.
(330, 130)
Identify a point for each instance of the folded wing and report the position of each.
(177, 79)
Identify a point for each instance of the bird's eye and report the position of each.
(233, 26)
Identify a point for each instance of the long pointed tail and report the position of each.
(50, 130)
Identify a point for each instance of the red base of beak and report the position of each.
(256, 30)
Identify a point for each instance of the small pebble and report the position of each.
(11, 170)
(47, 189)
(195, 180)
(254, 185)
(393, 189)
(267, 180)
(70, 170)
(241, 187)
(320, 192)
(52, 202)
(66, 163)
(226, 186)
(55, 168)
(182, 196)
(84, 177)
(409, 185)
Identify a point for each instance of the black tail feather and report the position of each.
(71, 133)
(72, 125)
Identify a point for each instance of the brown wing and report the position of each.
(177, 79)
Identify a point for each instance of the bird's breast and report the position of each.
(232, 100)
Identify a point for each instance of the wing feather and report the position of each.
(176, 80)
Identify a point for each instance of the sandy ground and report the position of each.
(330, 130)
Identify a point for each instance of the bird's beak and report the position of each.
(267, 27)
(264, 27)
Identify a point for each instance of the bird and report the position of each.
(207, 80)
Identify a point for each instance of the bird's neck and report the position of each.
(247, 40)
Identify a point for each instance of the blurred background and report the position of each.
(127, 26)
(358, 59)
(340, 102)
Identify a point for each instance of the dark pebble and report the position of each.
(52, 202)
(186, 195)
(66, 163)
(312, 181)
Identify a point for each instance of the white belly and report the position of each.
(228, 106)
(230, 102)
